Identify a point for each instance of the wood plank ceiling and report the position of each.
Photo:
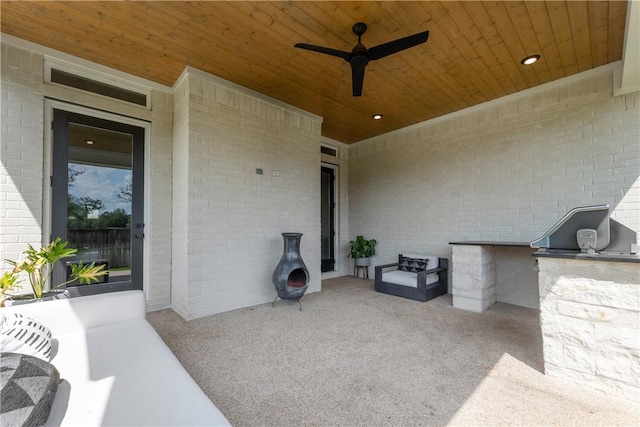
(473, 53)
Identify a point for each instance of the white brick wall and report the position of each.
(21, 152)
(158, 232)
(504, 171)
(231, 218)
(180, 205)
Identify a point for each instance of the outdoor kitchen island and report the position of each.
(486, 272)
(590, 319)
(589, 306)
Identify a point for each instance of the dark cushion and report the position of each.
(412, 265)
(29, 385)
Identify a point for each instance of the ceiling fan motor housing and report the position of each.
(359, 28)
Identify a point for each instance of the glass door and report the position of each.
(327, 218)
(98, 201)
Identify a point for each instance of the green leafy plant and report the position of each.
(8, 282)
(38, 264)
(362, 248)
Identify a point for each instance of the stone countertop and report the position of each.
(492, 243)
(600, 256)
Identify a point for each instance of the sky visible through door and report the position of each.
(103, 183)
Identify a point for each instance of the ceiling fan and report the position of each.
(360, 56)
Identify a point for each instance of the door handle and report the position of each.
(139, 235)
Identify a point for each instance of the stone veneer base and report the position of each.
(590, 320)
(473, 282)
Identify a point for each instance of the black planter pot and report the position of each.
(291, 277)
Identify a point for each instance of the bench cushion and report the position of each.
(116, 369)
(406, 278)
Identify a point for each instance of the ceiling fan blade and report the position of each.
(357, 76)
(325, 50)
(387, 49)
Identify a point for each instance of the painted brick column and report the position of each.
(590, 320)
(473, 282)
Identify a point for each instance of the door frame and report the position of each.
(336, 216)
(47, 194)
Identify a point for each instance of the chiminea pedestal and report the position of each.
(291, 277)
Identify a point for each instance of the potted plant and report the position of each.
(38, 264)
(361, 250)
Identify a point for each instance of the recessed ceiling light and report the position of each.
(377, 116)
(90, 142)
(530, 59)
